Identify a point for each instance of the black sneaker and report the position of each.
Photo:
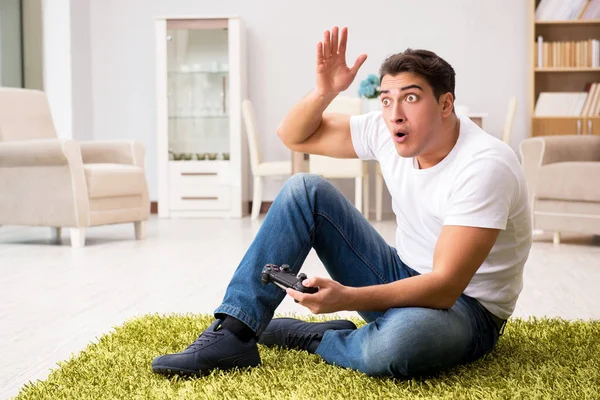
(292, 333)
(214, 349)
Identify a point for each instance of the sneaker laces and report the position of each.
(300, 339)
(204, 338)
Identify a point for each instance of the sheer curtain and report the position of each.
(11, 49)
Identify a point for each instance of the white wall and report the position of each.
(81, 64)
(67, 66)
(485, 41)
(58, 78)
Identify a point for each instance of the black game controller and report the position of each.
(285, 278)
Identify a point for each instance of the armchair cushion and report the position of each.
(114, 180)
(573, 181)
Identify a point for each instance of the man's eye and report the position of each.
(385, 102)
(411, 98)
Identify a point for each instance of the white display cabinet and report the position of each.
(200, 85)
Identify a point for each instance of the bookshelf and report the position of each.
(567, 69)
(569, 63)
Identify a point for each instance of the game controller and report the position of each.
(283, 277)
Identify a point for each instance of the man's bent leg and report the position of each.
(285, 237)
(308, 212)
(353, 253)
(411, 342)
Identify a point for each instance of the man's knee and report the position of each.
(393, 355)
(410, 347)
(304, 182)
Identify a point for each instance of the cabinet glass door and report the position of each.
(198, 77)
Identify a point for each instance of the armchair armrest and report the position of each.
(562, 148)
(44, 152)
(118, 152)
(43, 184)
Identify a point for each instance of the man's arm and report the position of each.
(478, 208)
(459, 252)
(305, 128)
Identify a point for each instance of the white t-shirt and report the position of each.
(480, 183)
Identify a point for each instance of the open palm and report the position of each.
(333, 74)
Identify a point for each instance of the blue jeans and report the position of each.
(309, 212)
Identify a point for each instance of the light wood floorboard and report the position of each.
(54, 299)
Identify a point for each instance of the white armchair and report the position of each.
(46, 181)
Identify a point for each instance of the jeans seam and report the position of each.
(372, 268)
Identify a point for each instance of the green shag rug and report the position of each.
(535, 359)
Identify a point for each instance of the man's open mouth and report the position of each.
(400, 136)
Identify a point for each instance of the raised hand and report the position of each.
(333, 74)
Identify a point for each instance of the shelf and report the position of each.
(570, 22)
(201, 162)
(566, 117)
(198, 72)
(198, 117)
(568, 69)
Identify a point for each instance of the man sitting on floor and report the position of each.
(437, 299)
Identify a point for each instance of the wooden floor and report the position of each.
(54, 300)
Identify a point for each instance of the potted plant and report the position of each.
(370, 90)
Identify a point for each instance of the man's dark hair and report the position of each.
(438, 73)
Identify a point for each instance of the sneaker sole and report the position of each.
(167, 371)
(172, 371)
(181, 372)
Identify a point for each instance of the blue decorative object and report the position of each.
(369, 87)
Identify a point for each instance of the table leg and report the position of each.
(298, 164)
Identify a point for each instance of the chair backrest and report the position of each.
(510, 117)
(329, 167)
(25, 115)
(252, 133)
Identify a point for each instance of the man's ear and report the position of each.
(447, 103)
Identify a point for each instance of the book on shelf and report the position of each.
(567, 54)
(561, 10)
(570, 104)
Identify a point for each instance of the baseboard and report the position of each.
(264, 207)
